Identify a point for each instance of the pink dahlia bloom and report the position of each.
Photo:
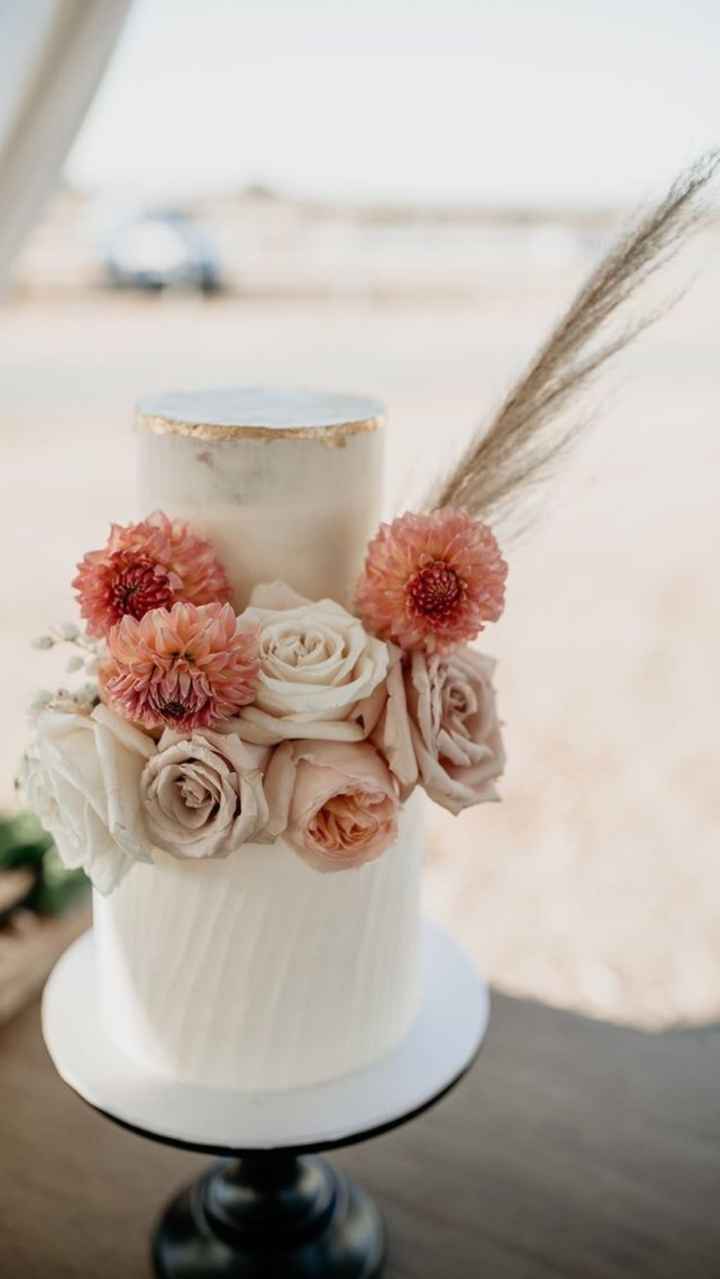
(186, 667)
(432, 581)
(145, 566)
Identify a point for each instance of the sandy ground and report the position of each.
(596, 884)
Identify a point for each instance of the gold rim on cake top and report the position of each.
(256, 414)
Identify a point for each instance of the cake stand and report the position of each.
(271, 1207)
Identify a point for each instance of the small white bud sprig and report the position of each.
(89, 650)
(80, 701)
(41, 700)
(85, 659)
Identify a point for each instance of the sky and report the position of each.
(542, 102)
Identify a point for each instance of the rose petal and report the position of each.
(279, 781)
(392, 737)
(275, 595)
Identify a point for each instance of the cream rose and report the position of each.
(335, 803)
(440, 727)
(202, 795)
(81, 776)
(321, 674)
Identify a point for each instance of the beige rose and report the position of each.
(202, 795)
(440, 727)
(335, 803)
(321, 674)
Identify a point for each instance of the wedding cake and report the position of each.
(254, 971)
(271, 681)
(276, 677)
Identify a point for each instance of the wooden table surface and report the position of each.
(573, 1148)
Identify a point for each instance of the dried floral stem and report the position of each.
(527, 433)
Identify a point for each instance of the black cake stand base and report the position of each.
(271, 1209)
(270, 1215)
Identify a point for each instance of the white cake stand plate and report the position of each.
(437, 1051)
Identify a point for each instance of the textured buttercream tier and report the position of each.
(286, 484)
(256, 972)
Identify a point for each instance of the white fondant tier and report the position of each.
(286, 484)
(256, 972)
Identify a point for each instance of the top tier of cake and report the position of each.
(286, 484)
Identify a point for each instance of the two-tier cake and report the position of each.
(253, 970)
(277, 677)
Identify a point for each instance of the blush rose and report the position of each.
(202, 795)
(440, 727)
(335, 803)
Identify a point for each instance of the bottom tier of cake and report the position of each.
(256, 972)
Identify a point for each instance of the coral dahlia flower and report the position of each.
(145, 566)
(431, 581)
(184, 668)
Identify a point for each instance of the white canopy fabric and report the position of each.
(52, 54)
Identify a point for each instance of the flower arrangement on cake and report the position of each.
(201, 730)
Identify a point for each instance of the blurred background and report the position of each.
(398, 198)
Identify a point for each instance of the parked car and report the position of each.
(163, 249)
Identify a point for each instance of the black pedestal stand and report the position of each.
(273, 1214)
(270, 1215)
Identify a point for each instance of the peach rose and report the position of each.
(335, 803)
(440, 727)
